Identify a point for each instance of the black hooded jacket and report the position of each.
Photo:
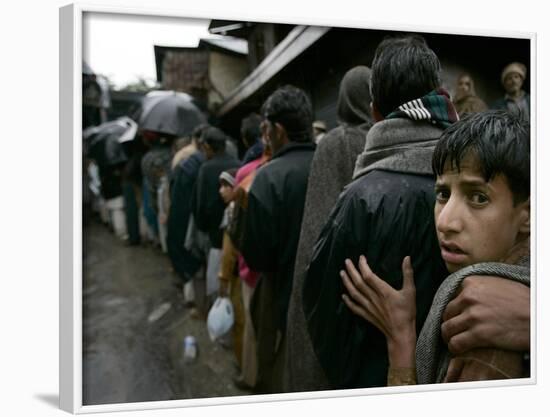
(385, 214)
(274, 216)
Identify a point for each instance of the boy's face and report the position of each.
(476, 221)
(226, 192)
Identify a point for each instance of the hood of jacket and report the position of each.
(354, 97)
(400, 145)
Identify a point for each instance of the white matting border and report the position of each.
(70, 211)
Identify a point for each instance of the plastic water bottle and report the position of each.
(189, 349)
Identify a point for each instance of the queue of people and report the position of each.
(392, 249)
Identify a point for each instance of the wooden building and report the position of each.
(316, 58)
(208, 72)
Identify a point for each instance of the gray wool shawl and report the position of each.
(432, 355)
(331, 170)
(400, 145)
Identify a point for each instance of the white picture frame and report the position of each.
(70, 261)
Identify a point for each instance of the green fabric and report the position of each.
(435, 107)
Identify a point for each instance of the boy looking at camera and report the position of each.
(482, 217)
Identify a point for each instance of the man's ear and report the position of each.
(281, 133)
(376, 115)
(207, 148)
(525, 216)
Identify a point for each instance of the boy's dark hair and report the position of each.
(250, 129)
(291, 107)
(498, 139)
(403, 69)
(214, 138)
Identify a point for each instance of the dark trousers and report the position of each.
(269, 337)
(131, 208)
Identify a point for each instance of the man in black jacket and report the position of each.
(182, 184)
(207, 204)
(386, 213)
(273, 221)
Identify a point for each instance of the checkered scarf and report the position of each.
(435, 107)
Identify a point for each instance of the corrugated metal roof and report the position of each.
(236, 45)
(232, 27)
(296, 42)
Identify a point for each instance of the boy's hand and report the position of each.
(392, 311)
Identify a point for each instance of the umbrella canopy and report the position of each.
(170, 112)
(131, 129)
(103, 143)
(125, 127)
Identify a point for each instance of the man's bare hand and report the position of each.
(488, 312)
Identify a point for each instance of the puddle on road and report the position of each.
(90, 290)
(115, 302)
(159, 312)
(134, 324)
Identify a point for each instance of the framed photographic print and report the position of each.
(258, 209)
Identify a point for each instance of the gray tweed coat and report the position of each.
(432, 355)
(331, 169)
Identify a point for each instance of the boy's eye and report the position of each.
(479, 198)
(442, 194)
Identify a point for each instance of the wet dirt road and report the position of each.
(134, 323)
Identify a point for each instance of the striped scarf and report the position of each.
(435, 107)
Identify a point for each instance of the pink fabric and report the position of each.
(245, 170)
(249, 276)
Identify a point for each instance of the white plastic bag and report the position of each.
(220, 318)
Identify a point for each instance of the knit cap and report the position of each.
(229, 176)
(516, 67)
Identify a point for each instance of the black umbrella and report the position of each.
(124, 126)
(103, 143)
(170, 112)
